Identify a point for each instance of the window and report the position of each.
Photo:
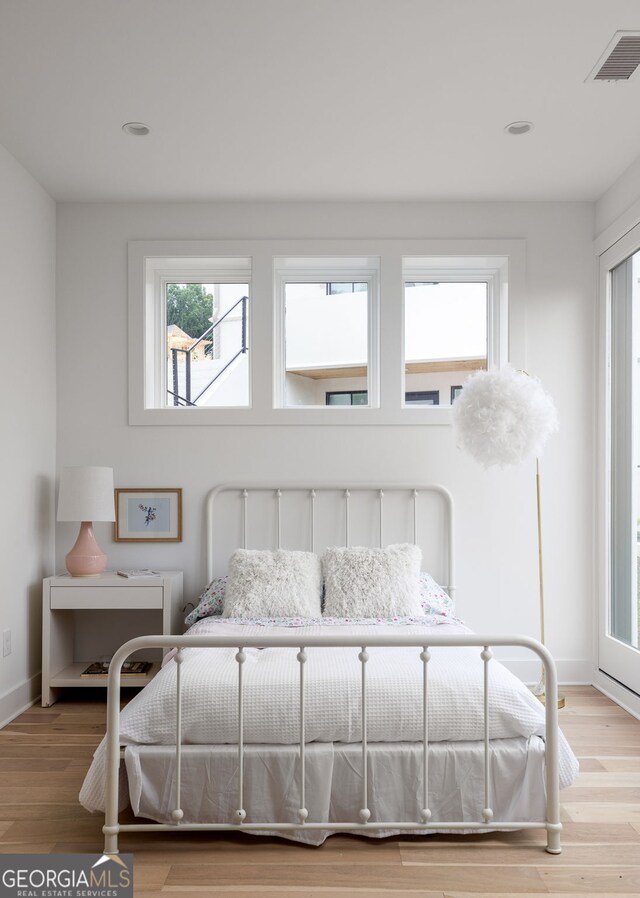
(316, 332)
(333, 289)
(619, 617)
(454, 321)
(327, 345)
(422, 397)
(197, 344)
(207, 344)
(347, 397)
(359, 397)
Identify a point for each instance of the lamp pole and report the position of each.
(540, 690)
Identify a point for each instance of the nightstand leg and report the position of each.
(49, 696)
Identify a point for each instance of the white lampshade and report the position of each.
(503, 416)
(86, 494)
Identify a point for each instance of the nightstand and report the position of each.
(87, 618)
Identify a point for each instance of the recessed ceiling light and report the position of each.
(517, 128)
(136, 129)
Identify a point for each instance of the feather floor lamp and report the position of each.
(504, 417)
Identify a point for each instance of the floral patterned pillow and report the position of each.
(210, 602)
(433, 598)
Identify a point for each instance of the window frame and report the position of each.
(494, 272)
(157, 272)
(616, 663)
(262, 253)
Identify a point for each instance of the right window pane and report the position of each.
(445, 336)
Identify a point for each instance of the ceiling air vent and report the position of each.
(620, 60)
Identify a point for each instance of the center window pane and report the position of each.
(326, 343)
(445, 338)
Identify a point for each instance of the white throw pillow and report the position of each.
(361, 582)
(273, 584)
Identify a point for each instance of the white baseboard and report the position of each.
(571, 671)
(618, 693)
(18, 699)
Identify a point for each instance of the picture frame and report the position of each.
(148, 515)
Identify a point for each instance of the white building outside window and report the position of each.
(327, 329)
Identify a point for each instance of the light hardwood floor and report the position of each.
(45, 752)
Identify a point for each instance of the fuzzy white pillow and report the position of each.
(361, 582)
(273, 584)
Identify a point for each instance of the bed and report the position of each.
(302, 727)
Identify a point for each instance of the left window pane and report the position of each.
(207, 344)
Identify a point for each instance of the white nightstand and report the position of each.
(86, 618)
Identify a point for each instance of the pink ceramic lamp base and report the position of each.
(86, 559)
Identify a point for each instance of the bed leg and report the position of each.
(111, 826)
(553, 838)
(111, 839)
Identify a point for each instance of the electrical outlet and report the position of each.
(6, 643)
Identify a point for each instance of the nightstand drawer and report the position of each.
(119, 597)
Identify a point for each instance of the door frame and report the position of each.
(610, 681)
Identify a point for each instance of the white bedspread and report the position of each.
(271, 696)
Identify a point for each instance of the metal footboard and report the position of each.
(423, 821)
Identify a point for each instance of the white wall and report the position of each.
(619, 201)
(27, 371)
(497, 577)
(301, 390)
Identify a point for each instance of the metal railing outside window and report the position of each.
(209, 335)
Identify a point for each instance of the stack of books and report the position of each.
(129, 669)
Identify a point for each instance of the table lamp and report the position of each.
(86, 495)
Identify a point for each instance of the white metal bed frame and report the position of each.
(423, 821)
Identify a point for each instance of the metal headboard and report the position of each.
(343, 494)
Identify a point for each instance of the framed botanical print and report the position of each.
(148, 515)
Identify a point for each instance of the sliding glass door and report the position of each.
(619, 654)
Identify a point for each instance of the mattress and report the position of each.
(332, 695)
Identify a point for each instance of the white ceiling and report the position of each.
(316, 99)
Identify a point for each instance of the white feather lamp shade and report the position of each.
(503, 416)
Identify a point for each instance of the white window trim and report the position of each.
(301, 271)
(157, 274)
(263, 322)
